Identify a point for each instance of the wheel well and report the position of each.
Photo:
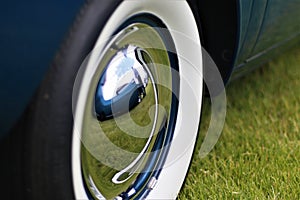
(218, 25)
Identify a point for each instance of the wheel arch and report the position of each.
(218, 24)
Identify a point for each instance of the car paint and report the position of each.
(273, 26)
(31, 32)
(251, 18)
(281, 22)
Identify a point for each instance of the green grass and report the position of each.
(258, 154)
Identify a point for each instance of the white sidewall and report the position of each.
(179, 19)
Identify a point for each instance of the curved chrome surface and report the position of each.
(124, 83)
(127, 111)
(184, 33)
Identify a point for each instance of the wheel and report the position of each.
(136, 102)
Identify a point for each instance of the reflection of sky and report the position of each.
(120, 72)
(118, 67)
(124, 66)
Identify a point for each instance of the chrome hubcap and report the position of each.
(127, 114)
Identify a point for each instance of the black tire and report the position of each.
(42, 141)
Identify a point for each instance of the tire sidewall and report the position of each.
(47, 144)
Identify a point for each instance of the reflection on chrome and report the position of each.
(132, 112)
(95, 190)
(123, 84)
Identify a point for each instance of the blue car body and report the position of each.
(31, 33)
(266, 27)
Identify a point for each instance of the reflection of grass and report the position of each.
(139, 116)
(102, 174)
(104, 150)
(258, 154)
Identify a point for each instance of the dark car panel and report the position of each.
(274, 26)
(281, 23)
(249, 27)
(31, 33)
(125, 80)
(237, 34)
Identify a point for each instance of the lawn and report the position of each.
(258, 154)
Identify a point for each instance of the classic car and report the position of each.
(56, 141)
